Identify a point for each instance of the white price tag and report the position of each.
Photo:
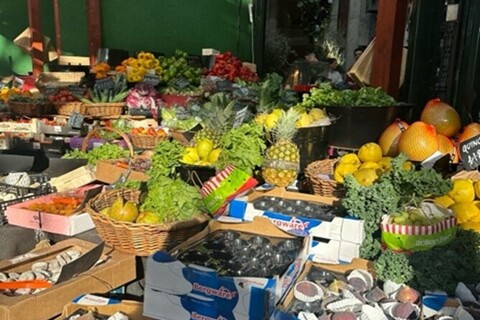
(57, 129)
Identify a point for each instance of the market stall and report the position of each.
(231, 196)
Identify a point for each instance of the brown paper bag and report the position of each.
(361, 71)
(24, 41)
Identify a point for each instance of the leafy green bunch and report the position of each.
(242, 147)
(326, 95)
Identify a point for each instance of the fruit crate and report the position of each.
(44, 186)
(23, 193)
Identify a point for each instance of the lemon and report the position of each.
(465, 211)
(370, 152)
(187, 158)
(462, 190)
(260, 118)
(476, 186)
(369, 165)
(471, 225)
(341, 171)
(317, 114)
(213, 156)
(444, 201)
(192, 154)
(409, 166)
(351, 158)
(271, 121)
(366, 177)
(299, 108)
(385, 163)
(304, 121)
(277, 112)
(204, 147)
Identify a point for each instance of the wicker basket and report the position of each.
(320, 185)
(146, 141)
(28, 109)
(120, 133)
(140, 239)
(66, 109)
(106, 109)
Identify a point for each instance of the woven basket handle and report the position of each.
(120, 133)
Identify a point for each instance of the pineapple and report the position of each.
(217, 118)
(282, 159)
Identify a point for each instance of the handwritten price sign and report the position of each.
(470, 152)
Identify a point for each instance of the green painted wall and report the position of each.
(151, 25)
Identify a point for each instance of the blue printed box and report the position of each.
(177, 291)
(338, 228)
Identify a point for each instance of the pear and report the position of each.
(127, 212)
(148, 217)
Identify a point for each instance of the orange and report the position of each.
(370, 152)
(388, 140)
(442, 116)
(419, 141)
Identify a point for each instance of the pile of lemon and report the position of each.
(309, 118)
(203, 153)
(366, 165)
(464, 201)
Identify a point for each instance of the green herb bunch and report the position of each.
(326, 95)
(242, 147)
(106, 151)
(165, 160)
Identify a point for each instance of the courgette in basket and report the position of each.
(117, 93)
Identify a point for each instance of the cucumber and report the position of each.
(120, 97)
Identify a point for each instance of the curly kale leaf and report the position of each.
(415, 185)
(370, 248)
(394, 266)
(441, 268)
(370, 203)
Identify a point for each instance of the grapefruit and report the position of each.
(442, 116)
(389, 138)
(446, 145)
(469, 131)
(419, 141)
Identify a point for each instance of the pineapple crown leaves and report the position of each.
(217, 114)
(285, 128)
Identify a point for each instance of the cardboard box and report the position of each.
(280, 314)
(108, 172)
(20, 127)
(132, 309)
(74, 179)
(197, 292)
(116, 271)
(340, 238)
(19, 215)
